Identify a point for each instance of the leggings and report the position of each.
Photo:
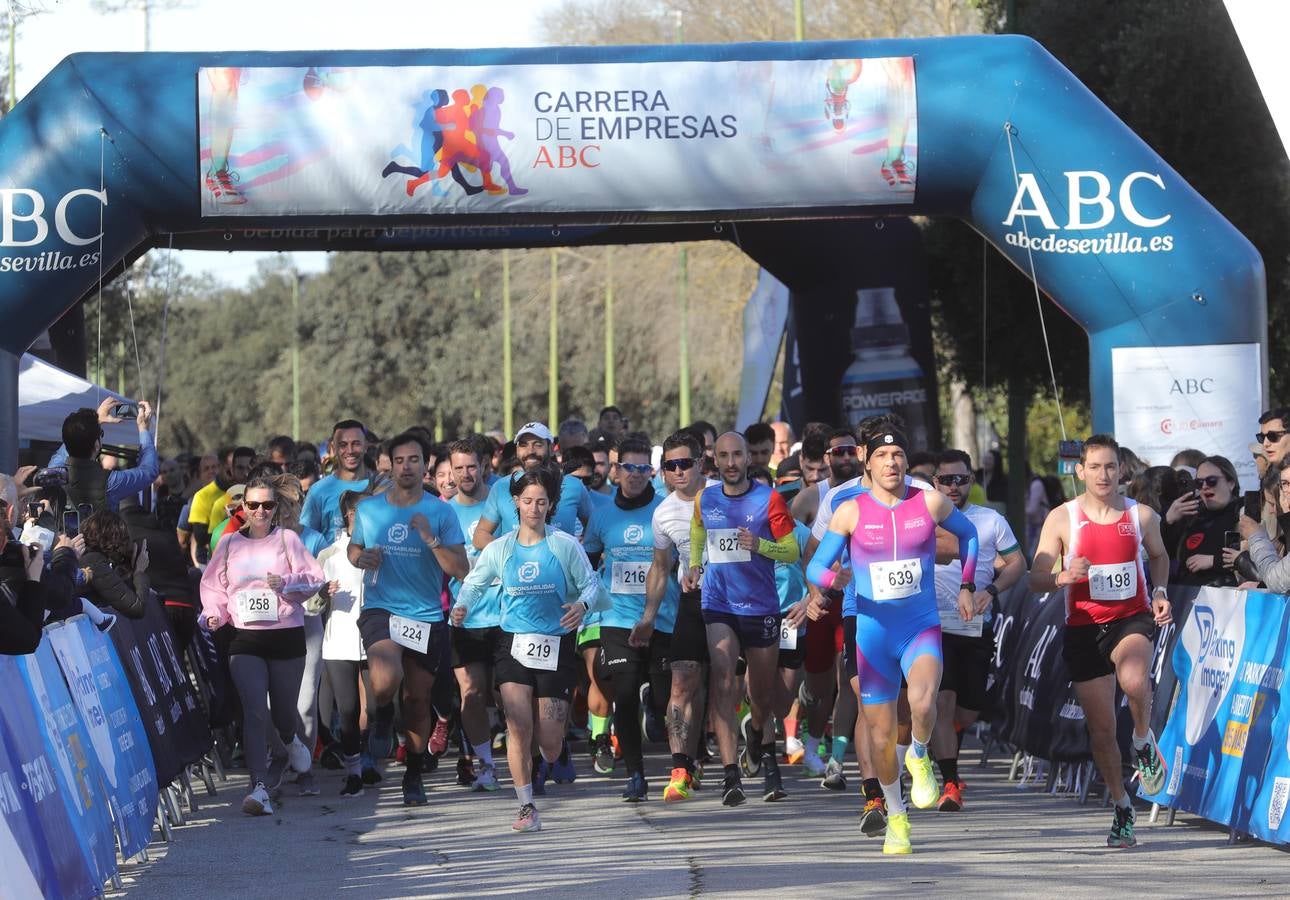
(343, 675)
(307, 702)
(627, 683)
(264, 684)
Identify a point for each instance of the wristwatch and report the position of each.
(992, 591)
(434, 545)
(968, 586)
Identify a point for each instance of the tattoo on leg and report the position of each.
(678, 725)
(554, 710)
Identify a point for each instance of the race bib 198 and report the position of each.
(410, 633)
(628, 577)
(723, 546)
(256, 605)
(896, 580)
(1113, 581)
(537, 651)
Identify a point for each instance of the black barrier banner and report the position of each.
(1009, 610)
(174, 719)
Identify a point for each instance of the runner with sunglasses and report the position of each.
(890, 533)
(406, 540)
(967, 647)
(619, 541)
(258, 580)
(842, 458)
(670, 524)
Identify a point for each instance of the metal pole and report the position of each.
(295, 356)
(508, 423)
(553, 346)
(799, 21)
(683, 290)
(609, 326)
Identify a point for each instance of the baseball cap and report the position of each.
(236, 492)
(537, 429)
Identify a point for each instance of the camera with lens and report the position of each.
(53, 477)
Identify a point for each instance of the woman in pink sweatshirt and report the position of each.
(258, 580)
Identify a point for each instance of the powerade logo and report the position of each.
(1090, 207)
(528, 572)
(1213, 638)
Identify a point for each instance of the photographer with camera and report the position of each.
(29, 592)
(87, 481)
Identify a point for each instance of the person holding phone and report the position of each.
(1267, 551)
(117, 571)
(87, 480)
(1198, 541)
(29, 590)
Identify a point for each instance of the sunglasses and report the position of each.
(1209, 480)
(843, 450)
(1270, 437)
(956, 480)
(678, 465)
(266, 505)
(637, 468)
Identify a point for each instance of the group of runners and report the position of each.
(711, 594)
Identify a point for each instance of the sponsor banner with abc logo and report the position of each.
(1218, 744)
(691, 135)
(1207, 397)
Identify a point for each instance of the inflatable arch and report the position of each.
(114, 154)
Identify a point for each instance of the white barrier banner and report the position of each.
(719, 135)
(1174, 398)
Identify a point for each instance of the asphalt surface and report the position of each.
(1009, 841)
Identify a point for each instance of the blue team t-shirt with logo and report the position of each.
(410, 580)
(487, 611)
(574, 508)
(625, 538)
(321, 511)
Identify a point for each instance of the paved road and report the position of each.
(1009, 842)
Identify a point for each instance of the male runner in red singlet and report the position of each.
(1092, 548)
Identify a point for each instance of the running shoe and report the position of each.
(732, 791)
(602, 755)
(750, 752)
(306, 785)
(651, 723)
(613, 742)
(257, 802)
(679, 788)
(465, 771)
(1121, 828)
(794, 750)
(1150, 767)
(637, 788)
(873, 818)
(299, 757)
(528, 819)
(814, 766)
(773, 785)
(371, 775)
(401, 755)
(696, 777)
(353, 786)
(380, 739)
(429, 762)
(951, 798)
(486, 780)
(414, 792)
(332, 757)
(904, 171)
(439, 737)
(896, 843)
(834, 780)
(562, 770)
(923, 791)
(223, 188)
(539, 777)
(277, 772)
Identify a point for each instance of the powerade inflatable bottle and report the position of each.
(883, 377)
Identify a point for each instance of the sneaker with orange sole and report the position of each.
(679, 787)
(951, 797)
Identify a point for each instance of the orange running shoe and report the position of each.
(951, 798)
(679, 787)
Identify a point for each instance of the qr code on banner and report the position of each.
(1277, 805)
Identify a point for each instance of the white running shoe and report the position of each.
(299, 757)
(793, 750)
(815, 767)
(257, 803)
(486, 780)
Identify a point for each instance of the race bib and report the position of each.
(628, 578)
(896, 580)
(1113, 581)
(410, 633)
(951, 623)
(723, 546)
(537, 651)
(787, 637)
(256, 605)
